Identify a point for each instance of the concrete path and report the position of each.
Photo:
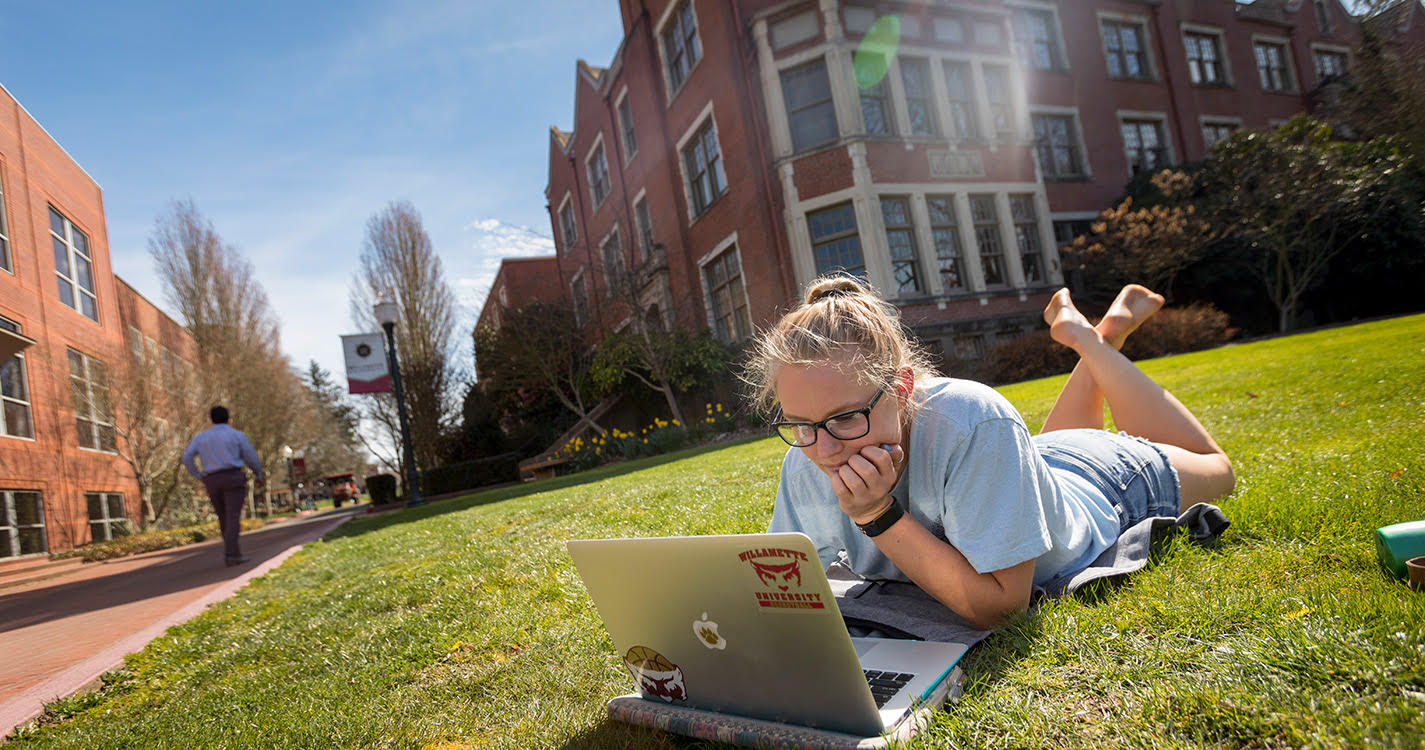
(59, 634)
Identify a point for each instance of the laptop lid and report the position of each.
(741, 624)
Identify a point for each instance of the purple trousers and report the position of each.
(227, 491)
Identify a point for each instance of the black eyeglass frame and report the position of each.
(816, 427)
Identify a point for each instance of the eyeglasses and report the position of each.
(848, 425)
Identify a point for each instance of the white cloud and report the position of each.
(491, 241)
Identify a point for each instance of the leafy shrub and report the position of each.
(1170, 331)
(467, 475)
(1034, 355)
(382, 488)
(148, 541)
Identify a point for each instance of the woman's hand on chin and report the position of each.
(863, 484)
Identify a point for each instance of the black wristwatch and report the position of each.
(878, 525)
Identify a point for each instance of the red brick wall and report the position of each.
(747, 207)
(37, 174)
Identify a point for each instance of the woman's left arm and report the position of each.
(984, 599)
(863, 487)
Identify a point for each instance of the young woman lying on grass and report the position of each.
(937, 481)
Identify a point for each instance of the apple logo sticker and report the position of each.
(706, 631)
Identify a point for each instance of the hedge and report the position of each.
(382, 488)
(468, 475)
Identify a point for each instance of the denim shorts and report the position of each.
(1131, 472)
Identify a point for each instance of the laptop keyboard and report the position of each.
(886, 684)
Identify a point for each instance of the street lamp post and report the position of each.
(287, 458)
(386, 315)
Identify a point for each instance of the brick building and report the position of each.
(732, 151)
(63, 481)
(519, 281)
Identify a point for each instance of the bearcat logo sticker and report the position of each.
(780, 572)
(655, 675)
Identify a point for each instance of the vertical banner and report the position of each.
(365, 363)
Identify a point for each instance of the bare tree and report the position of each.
(226, 310)
(539, 346)
(397, 262)
(645, 348)
(155, 411)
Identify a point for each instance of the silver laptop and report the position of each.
(747, 625)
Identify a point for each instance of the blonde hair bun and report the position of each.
(854, 328)
(834, 286)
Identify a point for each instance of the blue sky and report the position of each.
(290, 123)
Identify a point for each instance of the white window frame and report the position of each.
(918, 252)
(1060, 63)
(1145, 41)
(576, 281)
(107, 521)
(1165, 132)
(7, 262)
(1216, 120)
(28, 403)
(900, 103)
(574, 223)
(1223, 58)
(968, 253)
(92, 415)
(612, 234)
(1322, 12)
(1000, 223)
(784, 115)
(595, 149)
(69, 275)
(1086, 168)
(705, 116)
(978, 100)
(865, 222)
(645, 251)
(1335, 49)
(890, 103)
(669, 11)
(707, 259)
(11, 540)
(626, 132)
(1011, 99)
(1293, 86)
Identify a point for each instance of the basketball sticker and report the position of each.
(655, 675)
(780, 573)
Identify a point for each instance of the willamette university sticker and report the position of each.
(780, 572)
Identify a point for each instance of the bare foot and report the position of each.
(1067, 325)
(1135, 304)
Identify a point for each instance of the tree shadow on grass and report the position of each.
(365, 524)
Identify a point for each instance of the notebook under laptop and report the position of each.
(747, 625)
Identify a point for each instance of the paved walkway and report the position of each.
(59, 634)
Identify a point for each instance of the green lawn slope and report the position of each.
(463, 624)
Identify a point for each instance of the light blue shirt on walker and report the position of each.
(220, 447)
(974, 479)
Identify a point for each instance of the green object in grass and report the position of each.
(1399, 542)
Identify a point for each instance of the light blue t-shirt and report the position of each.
(974, 479)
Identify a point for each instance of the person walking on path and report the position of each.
(222, 451)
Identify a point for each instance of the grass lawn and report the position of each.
(463, 624)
